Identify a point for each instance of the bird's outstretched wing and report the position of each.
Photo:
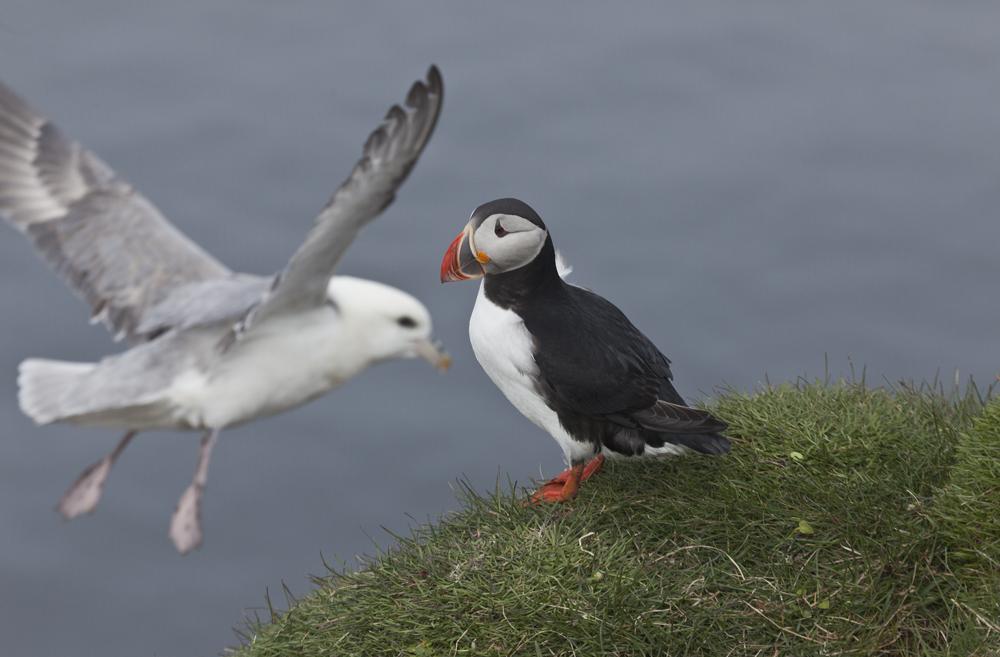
(103, 238)
(387, 159)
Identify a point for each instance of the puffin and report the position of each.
(565, 357)
(209, 348)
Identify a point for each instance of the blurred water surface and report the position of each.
(754, 187)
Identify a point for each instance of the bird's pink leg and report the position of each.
(83, 496)
(185, 525)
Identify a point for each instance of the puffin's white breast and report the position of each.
(503, 346)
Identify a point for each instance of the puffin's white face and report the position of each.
(508, 241)
(493, 243)
(394, 324)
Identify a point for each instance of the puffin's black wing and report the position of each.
(594, 361)
(665, 417)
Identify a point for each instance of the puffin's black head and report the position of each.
(501, 236)
(510, 206)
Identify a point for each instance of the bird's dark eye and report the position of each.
(498, 229)
(406, 322)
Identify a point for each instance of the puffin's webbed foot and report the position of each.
(566, 486)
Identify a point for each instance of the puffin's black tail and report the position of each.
(634, 442)
(707, 443)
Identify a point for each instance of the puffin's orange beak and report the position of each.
(462, 262)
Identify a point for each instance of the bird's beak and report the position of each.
(433, 352)
(463, 261)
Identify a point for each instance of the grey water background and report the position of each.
(757, 185)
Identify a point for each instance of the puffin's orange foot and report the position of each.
(563, 488)
(551, 491)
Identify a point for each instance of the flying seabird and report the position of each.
(209, 348)
(569, 360)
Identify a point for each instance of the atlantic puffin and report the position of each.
(209, 348)
(565, 357)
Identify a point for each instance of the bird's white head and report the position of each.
(501, 236)
(389, 322)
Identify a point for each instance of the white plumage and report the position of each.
(502, 346)
(184, 381)
(210, 348)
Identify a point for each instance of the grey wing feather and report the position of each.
(203, 303)
(387, 159)
(101, 236)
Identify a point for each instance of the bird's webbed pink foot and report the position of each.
(185, 525)
(83, 496)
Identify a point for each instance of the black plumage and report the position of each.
(607, 382)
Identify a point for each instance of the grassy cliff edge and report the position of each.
(847, 520)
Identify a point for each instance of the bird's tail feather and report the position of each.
(632, 442)
(45, 385)
(58, 391)
(707, 443)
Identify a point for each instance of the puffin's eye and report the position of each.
(499, 230)
(406, 322)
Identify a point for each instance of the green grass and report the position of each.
(847, 520)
